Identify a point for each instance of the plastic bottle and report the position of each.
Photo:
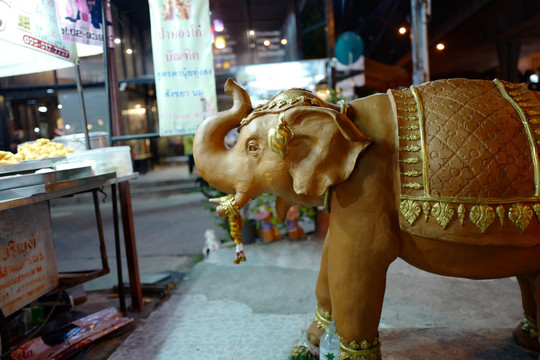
(329, 345)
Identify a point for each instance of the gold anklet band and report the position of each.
(528, 324)
(322, 318)
(364, 351)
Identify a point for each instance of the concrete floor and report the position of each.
(261, 308)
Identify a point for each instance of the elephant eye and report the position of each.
(252, 147)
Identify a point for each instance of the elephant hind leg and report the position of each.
(526, 333)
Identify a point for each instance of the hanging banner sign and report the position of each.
(81, 22)
(33, 24)
(183, 64)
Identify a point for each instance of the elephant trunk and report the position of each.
(211, 155)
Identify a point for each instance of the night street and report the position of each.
(168, 229)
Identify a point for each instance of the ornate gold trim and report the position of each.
(322, 318)
(410, 210)
(482, 217)
(461, 213)
(412, 173)
(279, 137)
(459, 200)
(411, 148)
(443, 213)
(366, 350)
(229, 205)
(500, 213)
(536, 208)
(520, 215)
(426, 207)
(513, 97)
(412, 160)
(415, 186)
(420, 107)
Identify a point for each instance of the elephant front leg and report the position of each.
(322, 318)
(357, 278)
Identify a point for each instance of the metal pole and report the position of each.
(105, 61)
(81, 98)
(420, 10)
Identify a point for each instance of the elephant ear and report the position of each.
(324, 148)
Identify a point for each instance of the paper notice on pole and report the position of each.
(183, 64)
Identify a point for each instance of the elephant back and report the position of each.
(468, 154)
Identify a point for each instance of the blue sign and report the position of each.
(349, 47)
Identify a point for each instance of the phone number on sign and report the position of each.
(45, 46)
(81, 34)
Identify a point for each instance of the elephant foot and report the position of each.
(526, 339)
(314, 333)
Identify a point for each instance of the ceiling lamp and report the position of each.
(220, 42)
(218, 25)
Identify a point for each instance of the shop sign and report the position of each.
(27, 258)
(183, 64)
(33, 24)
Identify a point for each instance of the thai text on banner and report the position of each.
(183, 64)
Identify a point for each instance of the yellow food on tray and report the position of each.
(39, 149)
(7, 158)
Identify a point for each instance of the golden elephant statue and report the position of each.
(445, 175)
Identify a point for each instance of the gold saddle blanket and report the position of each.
(468, 155)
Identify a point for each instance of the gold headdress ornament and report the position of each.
(279, 137)
(286, 98)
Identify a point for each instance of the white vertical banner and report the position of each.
(183, 64)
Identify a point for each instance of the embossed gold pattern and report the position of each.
(412, 173)
(536, 208)
(410, 138)
(284, 98)
(366, 350)
(484, 209)
(416, 186)
(279, 137)
(425, 209)
(410, 210)
(500, 213)
(482, 216)
(461, 213)
(412, 148)
(412, 160)
(514, 94)
(520, 215)
(443, 213)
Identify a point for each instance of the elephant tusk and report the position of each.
(218, 200)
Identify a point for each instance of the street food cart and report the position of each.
(28, 267)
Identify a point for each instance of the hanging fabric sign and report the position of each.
(81, 21)
(183, 64)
